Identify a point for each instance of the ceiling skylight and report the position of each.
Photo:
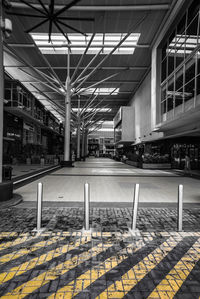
(93, 109)
(106, 42)
(182, 44)
(100, 91)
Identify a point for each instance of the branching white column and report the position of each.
(83, 143)
(86, 143)
(1, 93)
(78, 131)
(67, 120)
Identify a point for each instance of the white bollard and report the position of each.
(180, 208)
(135, 206)
(39, 206)
(87, 206)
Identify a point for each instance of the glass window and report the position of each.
(171, 53)
(7, 94)
(198, 73)
(189, 80)
(163, 107)
(179, 88)
(183, 83)
(164, 69)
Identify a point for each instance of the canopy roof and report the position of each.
(38, 58)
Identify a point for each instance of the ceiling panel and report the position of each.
(130, 69)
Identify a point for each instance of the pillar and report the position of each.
(67, 159)
(78, 131)
(78, 139)
(86, 143)
(6, 188)
(67, 121)
(1, 92)
(83, 143)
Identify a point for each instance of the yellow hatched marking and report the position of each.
(15, 271)
(55, 272)
(138, 272)
(7, 234)
(90, 276)
(16, 254)
(22, 239)
(176, 277)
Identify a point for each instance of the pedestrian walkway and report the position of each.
(23, 170)
(112, 181)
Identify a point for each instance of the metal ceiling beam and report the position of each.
(82, 57)
(14, 54)
(53, 73)
(61, 111)
(88, 103)
(41, 82)
(91, 82)
(144, 7)
(130, 68)
(20, 45)
(94, 84)
(123, 92)
(86, 68)
(111, 52)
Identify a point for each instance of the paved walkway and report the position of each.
(109, 261)
(112, 181)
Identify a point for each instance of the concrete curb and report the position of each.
(15, 200)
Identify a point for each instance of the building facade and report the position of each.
(166, 106)
(30, 130)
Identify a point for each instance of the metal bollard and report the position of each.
(87, 206)
(135, 206)
(39, 206)
(180, 208)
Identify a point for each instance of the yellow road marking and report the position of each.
(84, 280)
(7, 234)
(15, 271)
(55, 272)
(176, 277)
(16, 254)
(138, 272)
(22, 239)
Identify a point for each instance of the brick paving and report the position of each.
(101, 219)
(107, 262)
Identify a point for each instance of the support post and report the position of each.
(180, 208)
(39, 206)
(67, 160)
(78, 139)
(135, 207)
(78, 131)
(1, 92)
(87, 207)
(83, 144)
(86, 142)
(67, 121)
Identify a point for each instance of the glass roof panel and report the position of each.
(79, 42)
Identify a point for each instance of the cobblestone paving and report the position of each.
(106, 262)
(101, 219)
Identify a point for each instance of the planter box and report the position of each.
(156, 165)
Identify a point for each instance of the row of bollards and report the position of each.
(87, 207)
(179, 208)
